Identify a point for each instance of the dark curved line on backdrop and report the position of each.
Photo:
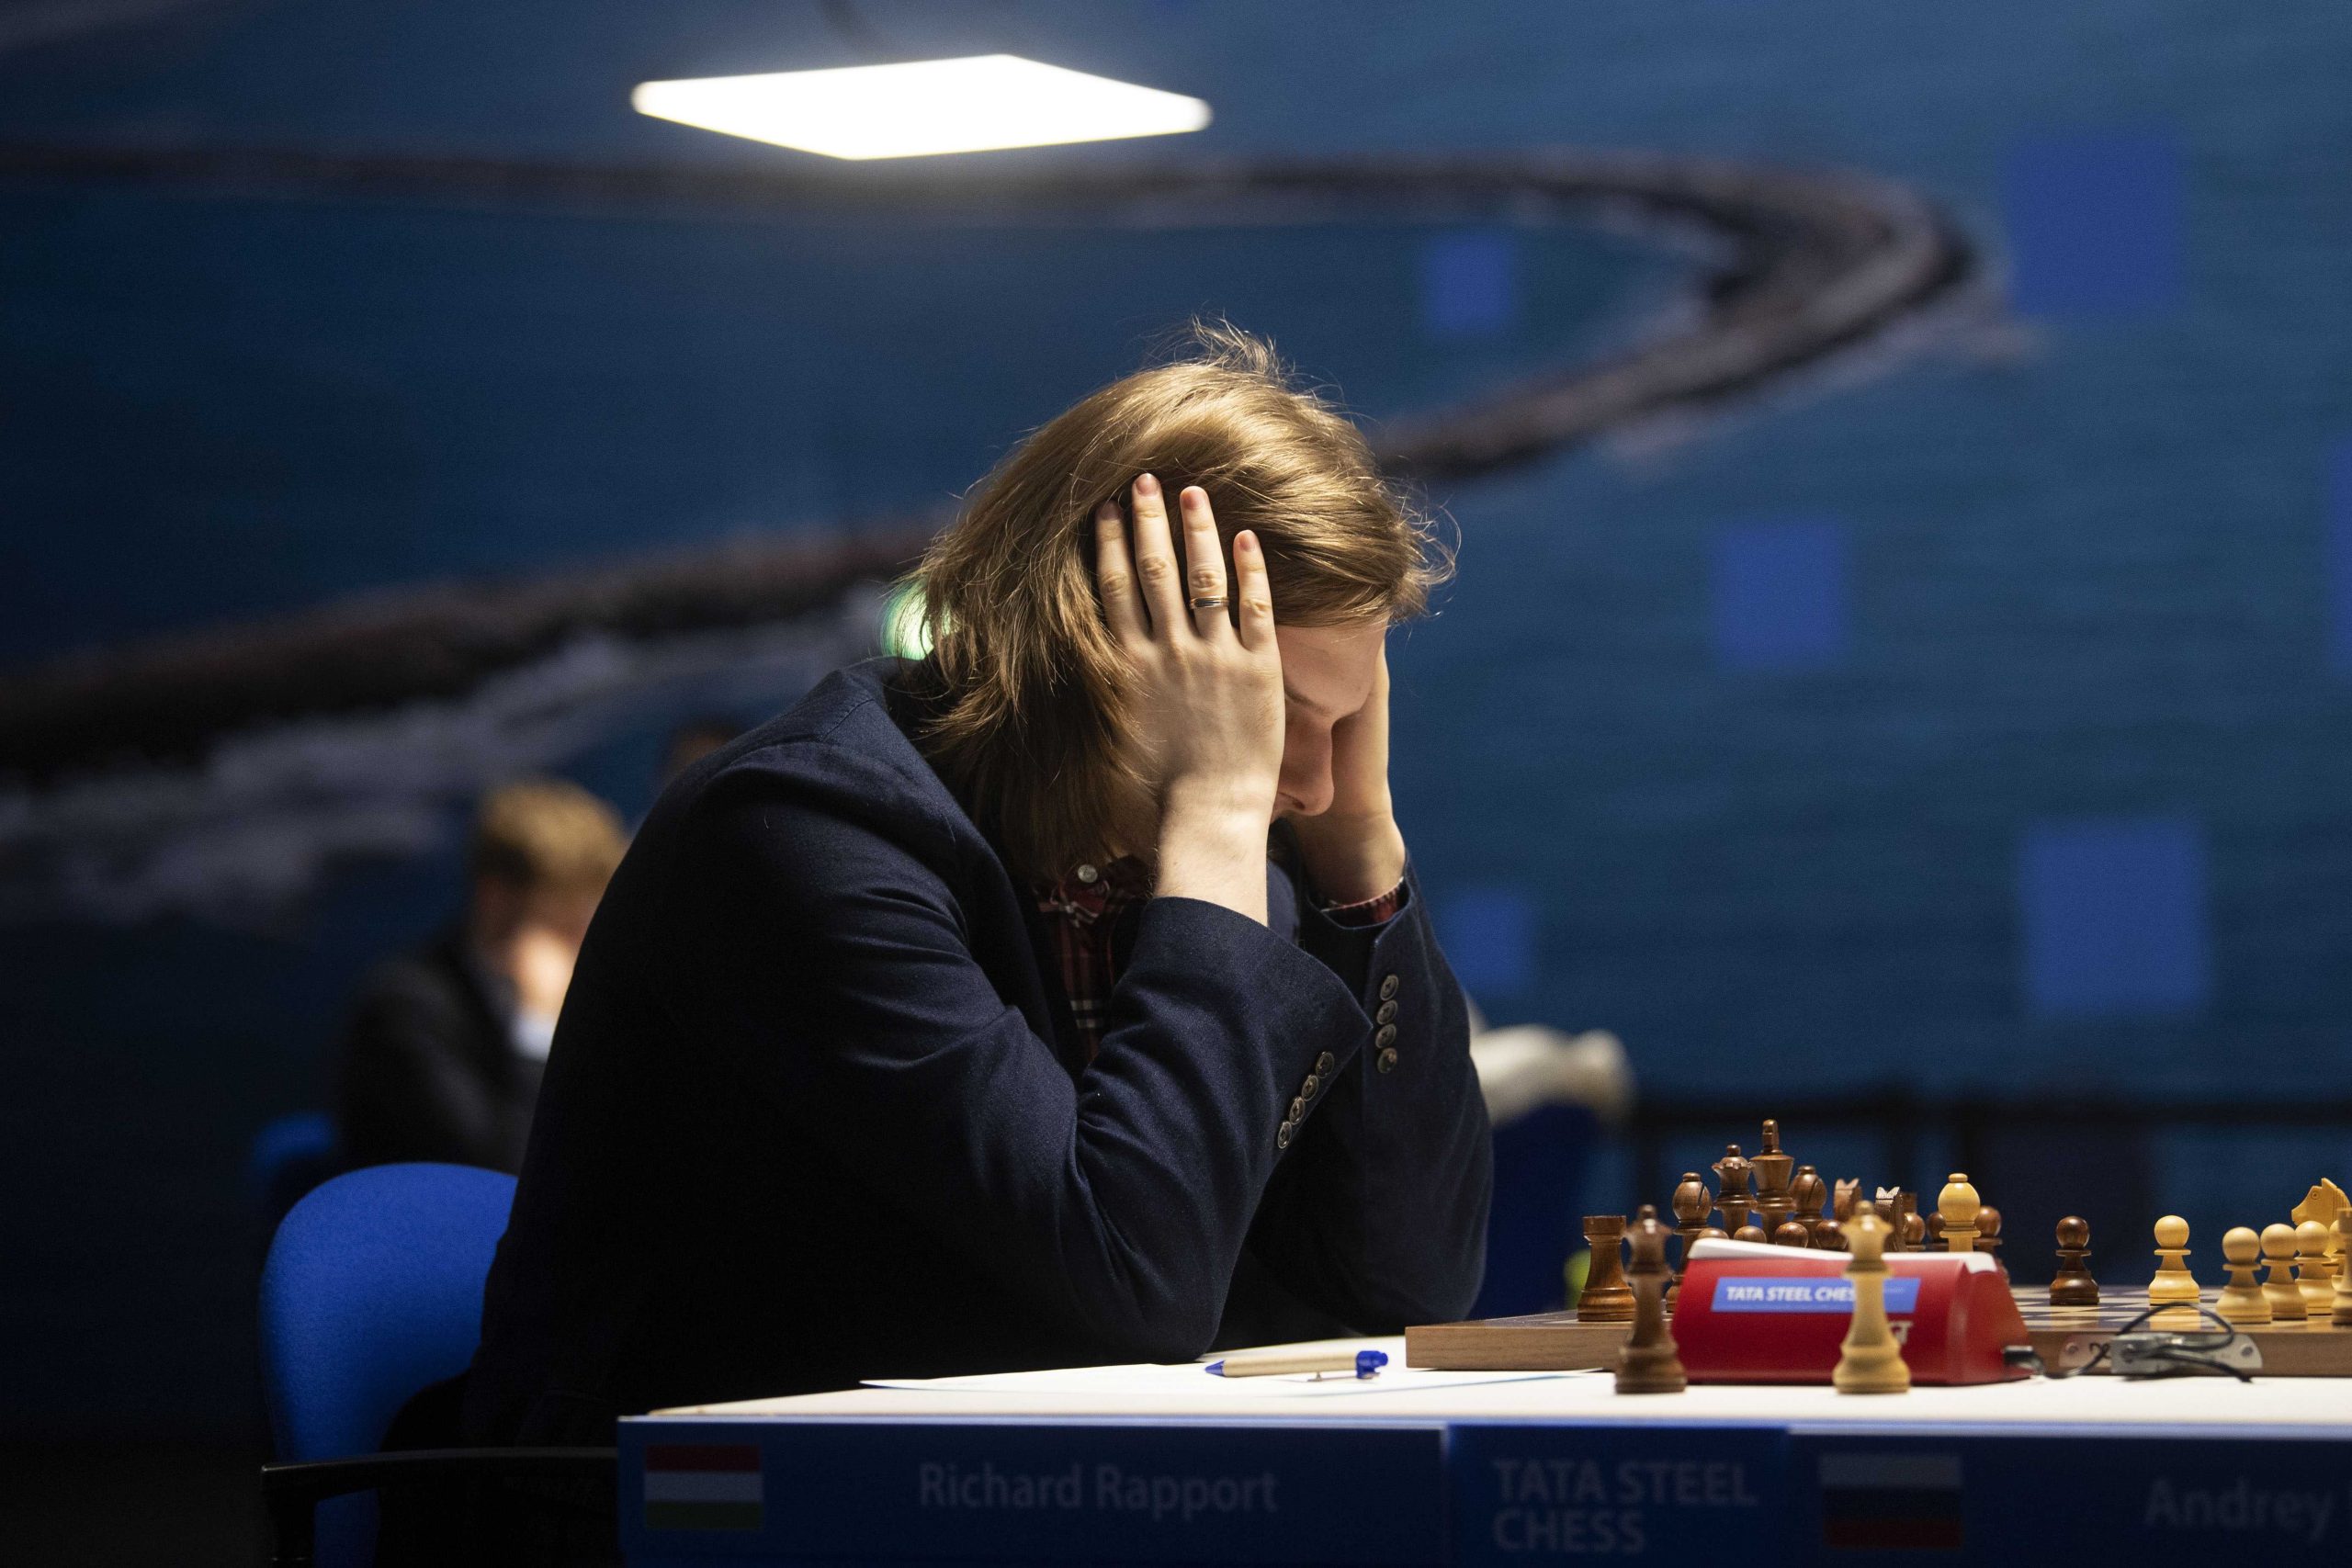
(1815, 260)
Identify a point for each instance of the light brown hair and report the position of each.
(547, 836)
(1031, 700)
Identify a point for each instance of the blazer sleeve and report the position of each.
(1379, 1215)
(839, 984)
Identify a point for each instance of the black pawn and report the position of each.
(1989, 1234)
(2074, 1287)
(1693, 1204)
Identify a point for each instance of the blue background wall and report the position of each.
(1973, 710)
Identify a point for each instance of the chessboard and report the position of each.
(2062, 1337)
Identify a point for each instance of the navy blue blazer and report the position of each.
(815, 1110)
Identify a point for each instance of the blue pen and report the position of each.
(1276, 1363)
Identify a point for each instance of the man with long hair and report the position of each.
(1062, 997)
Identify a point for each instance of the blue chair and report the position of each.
(289, 1156)
(373, 1290)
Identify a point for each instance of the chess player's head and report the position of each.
(541, 853)
(1033, 723)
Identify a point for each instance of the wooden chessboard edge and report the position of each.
(1540, 1342)
(1557, 1341)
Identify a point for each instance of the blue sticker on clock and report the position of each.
(1816, 1292)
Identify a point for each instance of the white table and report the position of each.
(1429, 1467)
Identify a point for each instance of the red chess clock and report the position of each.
(1749, 1313)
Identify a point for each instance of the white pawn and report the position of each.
(2278, 1287)
(2242, 1300)
(2315, 1275)
(2174, 1284)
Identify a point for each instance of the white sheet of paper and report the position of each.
(1149, 1381)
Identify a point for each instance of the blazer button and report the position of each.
(1297, 1109)
(1387, 1060)
(1386, 1032)
(1283, 1134)
(1389, 988)
(1387, 1010)
(1310, 1086)
(1325, 1063)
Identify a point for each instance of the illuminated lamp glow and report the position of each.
(922, 107)
(903, 631)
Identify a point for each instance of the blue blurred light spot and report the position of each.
(1469, 284)
(1779, 595)
(2114, 918)
(2096, 224)
(1488, 934)
(2339, 559)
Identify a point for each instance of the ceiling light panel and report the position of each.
(922, 108)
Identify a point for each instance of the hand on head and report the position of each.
(1209, 698)
(1335, 771)
(1239, 719)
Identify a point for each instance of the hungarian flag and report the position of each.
(703, 1486)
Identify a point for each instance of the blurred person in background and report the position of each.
(693, 740)
(688, 742)
(447, 1044)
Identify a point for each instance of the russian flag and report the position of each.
(1877, 1502)
(703, 1486)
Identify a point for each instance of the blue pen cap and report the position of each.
(1370, 1361)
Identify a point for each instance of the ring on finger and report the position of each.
(1210, 601)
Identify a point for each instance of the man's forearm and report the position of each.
(1216, 852)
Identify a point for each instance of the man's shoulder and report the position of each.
(855, 696)
(843, 752)
(847, 719)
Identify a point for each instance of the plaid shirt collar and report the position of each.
(1084, 907)
(1092, 893)
(1086, 904)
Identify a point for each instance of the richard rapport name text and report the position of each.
(1102, 1488)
